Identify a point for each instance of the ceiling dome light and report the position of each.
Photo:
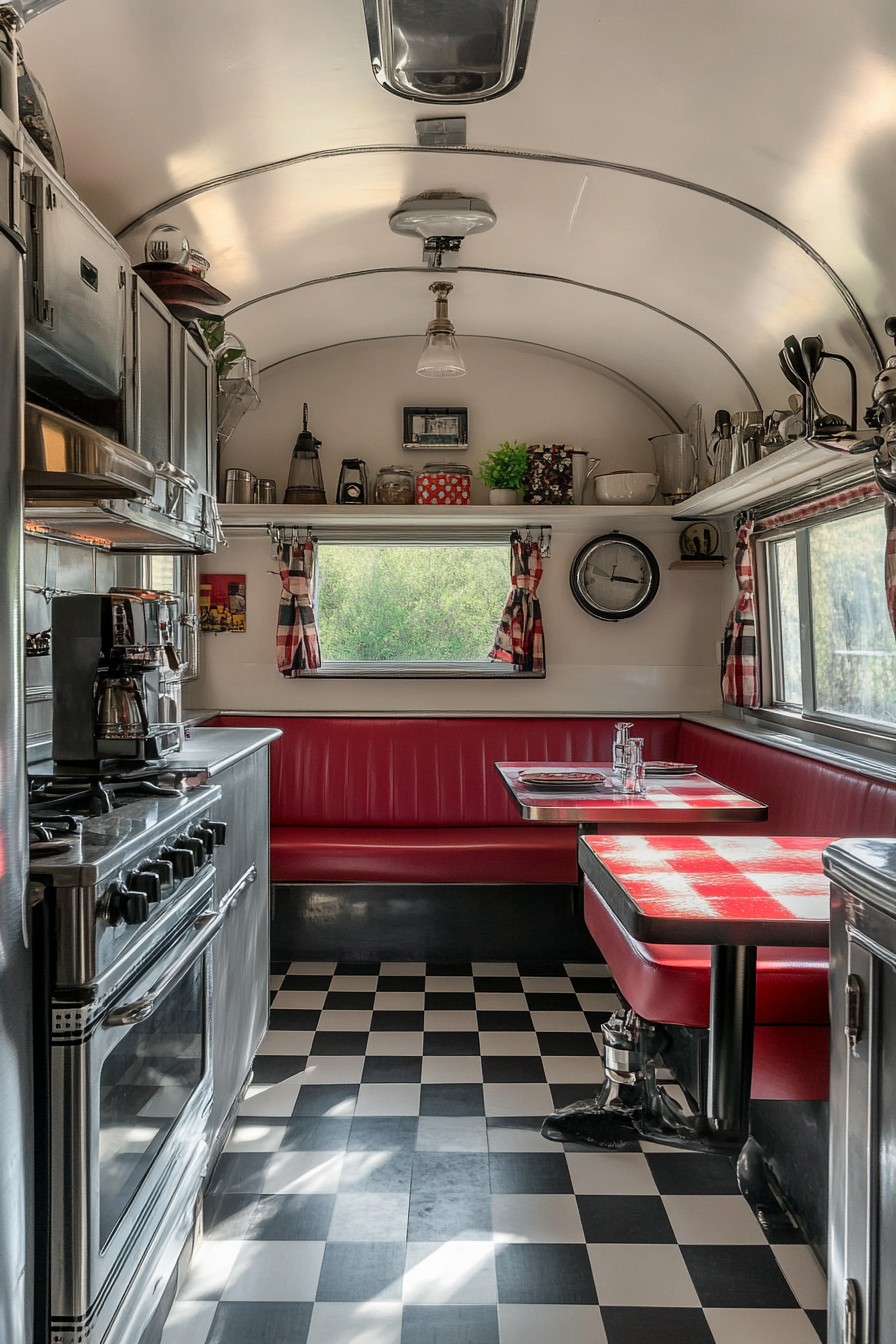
(465, 51)
(440, 357)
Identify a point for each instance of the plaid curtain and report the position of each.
(519, 638)
(800, 512)
(842, 500)
(298, 647)
(740, 666)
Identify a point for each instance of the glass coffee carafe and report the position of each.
(306, 482)
(676, 463)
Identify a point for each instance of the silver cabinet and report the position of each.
(242, 948)
(75, 287)
(862, 1229)
(172, 411)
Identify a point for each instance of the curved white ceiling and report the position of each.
(788, 110)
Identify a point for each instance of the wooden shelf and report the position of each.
(422, 515)
(710, 563)
(800, 463)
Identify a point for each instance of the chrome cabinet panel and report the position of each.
(76, 287)
(16, 1120)
(862, 1218)
(242, 948)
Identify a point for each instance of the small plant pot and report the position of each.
(503, 497)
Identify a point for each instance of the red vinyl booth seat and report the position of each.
(422, 854)
(669, 983)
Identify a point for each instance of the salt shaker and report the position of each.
(619, 745)
(633, 777)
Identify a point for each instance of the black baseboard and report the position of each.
(381, 922)
(794, 1138)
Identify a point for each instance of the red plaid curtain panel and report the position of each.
(298, 647)
(740, 665)
(519, 638)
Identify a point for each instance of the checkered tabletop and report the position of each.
(386, 1183)
(687, 798)
(692, 889)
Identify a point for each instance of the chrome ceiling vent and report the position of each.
(443, 219)
(449, 51)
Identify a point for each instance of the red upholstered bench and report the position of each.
(405, 800)
(419, 800)
(669, 983)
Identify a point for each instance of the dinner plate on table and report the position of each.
(668, 768)
(561, 780)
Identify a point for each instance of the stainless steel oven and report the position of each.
(131, 919)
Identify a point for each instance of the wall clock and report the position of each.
(614, 577)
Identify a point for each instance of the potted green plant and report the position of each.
(504, 472)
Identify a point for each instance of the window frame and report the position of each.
(418, 670)
(824, 723)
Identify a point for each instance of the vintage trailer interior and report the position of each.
(447, 672)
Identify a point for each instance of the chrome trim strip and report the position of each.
(512, 340)
(535, 156)
(495, 270)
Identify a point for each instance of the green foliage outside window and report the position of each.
(410, 603)
(854, 648)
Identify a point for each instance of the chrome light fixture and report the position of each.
(440, 357)
(449, 51)
(443, 219)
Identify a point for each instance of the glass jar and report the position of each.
(394, 485)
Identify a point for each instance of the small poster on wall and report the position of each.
(222, 603)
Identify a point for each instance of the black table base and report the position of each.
(631, 1105)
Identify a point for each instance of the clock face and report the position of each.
(614, 577)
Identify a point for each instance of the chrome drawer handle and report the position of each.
(234, 894)
(140, 1009)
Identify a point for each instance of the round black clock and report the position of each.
(614, 577)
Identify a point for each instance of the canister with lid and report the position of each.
(444, 483)
(394, 485)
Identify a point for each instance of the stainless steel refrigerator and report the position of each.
(16, 1109)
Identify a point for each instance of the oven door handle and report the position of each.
(248, 877)
(140, 1009)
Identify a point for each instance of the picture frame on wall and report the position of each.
(428, 427)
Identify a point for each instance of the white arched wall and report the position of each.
(662, 661)
(356, 393)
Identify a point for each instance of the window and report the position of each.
(413, 609)
(832, 645)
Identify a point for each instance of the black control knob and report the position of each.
(204, 833)
(219, 828)
(195, 845)
(146, 882)
(182, 860)
(163, 869)
(126, 907)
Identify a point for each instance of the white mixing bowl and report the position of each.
(626, 487)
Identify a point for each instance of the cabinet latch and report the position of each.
(853, 1024)
(851, 1312)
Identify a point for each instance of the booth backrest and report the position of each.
(423, 772)
(804, 796)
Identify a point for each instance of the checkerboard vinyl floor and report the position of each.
(386, 1183)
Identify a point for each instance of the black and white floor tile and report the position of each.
(386, 1183)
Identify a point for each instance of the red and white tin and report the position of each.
(444, 483)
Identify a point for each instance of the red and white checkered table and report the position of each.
(735, 893)
(668, 800)
(759, 890)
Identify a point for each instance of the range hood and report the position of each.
(65, 460)
(81, 485)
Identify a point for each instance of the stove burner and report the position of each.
(48, 846)
(47, 833)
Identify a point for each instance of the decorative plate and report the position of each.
(561, 779)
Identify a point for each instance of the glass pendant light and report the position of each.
(440, 357)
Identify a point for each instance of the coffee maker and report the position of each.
(108, 704)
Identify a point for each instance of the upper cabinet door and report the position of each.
(75, 291)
